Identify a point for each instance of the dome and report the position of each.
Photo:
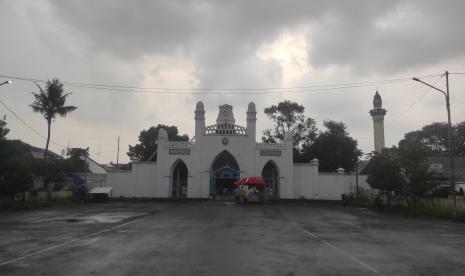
(251, 107)
(162, 134)
(199, 106)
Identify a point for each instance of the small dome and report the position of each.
(162, 134)
(251, 107)
(199, 106)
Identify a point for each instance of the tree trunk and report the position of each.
(47, 180)
(49, 124)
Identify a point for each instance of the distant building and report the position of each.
(377, 114)
(38, 153)
(440, 169)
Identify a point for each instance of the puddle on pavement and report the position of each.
(96, 218)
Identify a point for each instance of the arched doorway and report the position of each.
(179, 179)
(223, 173)
(270, 174)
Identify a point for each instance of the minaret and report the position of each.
(251, 122)
(378, 113)
(199, 121)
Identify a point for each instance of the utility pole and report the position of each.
(117, 156)
(451, 145)
(356, 177)
(451, 148)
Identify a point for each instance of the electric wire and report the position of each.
(427, 90)
(28, 126)
(223, 91)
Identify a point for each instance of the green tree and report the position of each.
(287, 117)
(76, 161)
(50, 103)
(3, 129)
(385, 172)
(413, 159)
(148, 142)
(459, 139)
(434, 137)
(333, 147)
(17, 168)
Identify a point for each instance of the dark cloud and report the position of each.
(220, 35)
(215, 44)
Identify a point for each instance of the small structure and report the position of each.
(100, 193)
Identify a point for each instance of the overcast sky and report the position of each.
(228, 44)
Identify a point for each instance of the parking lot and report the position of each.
(205, 238)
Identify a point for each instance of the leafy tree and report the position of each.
(434, 137)
(3, 129)
(287, 117)
(413, 158)
(459, 139)
(50, 103)
(333, 147)
(385, 173)
(76, 161)
(148, 142)
(17, 168)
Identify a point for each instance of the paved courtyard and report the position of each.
(201, 238)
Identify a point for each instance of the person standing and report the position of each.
(237, 194)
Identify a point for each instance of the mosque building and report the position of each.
(219, 155)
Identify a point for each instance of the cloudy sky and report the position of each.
(190, 45)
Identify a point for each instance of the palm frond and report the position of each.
(63, 111)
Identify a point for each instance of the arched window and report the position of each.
(270, 174)
(179, 179)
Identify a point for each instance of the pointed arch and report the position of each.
(224, 158)
(179, 180)
(224, 171)
(270, 173)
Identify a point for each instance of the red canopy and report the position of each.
(255, 180)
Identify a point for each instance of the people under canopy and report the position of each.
(252, 189)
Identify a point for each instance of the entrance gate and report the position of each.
(222, 181)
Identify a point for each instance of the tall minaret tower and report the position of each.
(378, 113)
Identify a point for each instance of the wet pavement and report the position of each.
(204, 238)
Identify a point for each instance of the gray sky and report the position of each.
(228, 44)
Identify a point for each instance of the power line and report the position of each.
(214, 91)
(427, 90)
(27, 125)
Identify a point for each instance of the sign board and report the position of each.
(179, 151)
(270, 152)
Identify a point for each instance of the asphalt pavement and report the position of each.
(208, 238)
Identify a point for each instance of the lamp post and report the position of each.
(449, 133)
(6, 82)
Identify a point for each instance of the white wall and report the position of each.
(331, 186)
(138, 182)
(310, 184)
(121, 183)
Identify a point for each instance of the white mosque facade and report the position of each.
(220, 154)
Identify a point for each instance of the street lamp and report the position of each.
(6, 82)
(449, 133)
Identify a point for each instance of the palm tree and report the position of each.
(51, 103)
